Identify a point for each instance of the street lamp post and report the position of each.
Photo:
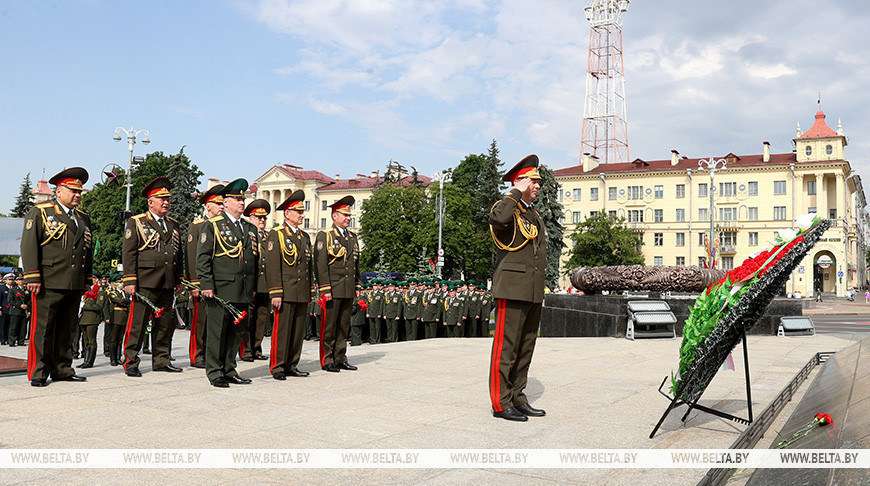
(442, 178)
(712, 166)
(131, 140)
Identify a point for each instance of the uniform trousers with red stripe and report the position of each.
(516, 331)
(333, 331)
(52, 324)
(196, 348)
(224, 337)
(162, 329)
(288, 332)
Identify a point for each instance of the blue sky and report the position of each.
(345, 86)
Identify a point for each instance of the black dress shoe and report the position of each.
(298, 373)
(261, 357)
(348, 366)
(530, 411)
(38, 382)
(510, 414)
(169, 369)
(71, 378)
(237, 380)
(248, 359)
(134, 372)
(331, 368)
(279, 375)
(12, 345)
(198, 364)
(220, 382)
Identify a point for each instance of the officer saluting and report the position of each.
(288, 273)
(520, 239)
(336, 256)
(57, 255)
(227, 266)
(213, 202)
(151, 255)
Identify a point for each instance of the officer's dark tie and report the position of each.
(162, 225)
(72, 216)
(239, 224)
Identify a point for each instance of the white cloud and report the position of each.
(768, 71)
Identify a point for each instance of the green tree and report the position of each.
(185, 180)
(604, 241)
(24, 201)
(547, 203)
(466, 248)
(389, 226)
(104, 205)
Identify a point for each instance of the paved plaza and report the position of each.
(430, 394)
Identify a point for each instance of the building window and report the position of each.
(701, 238)
(611, 193)
(811, 188)
(307, 223)
(352, 223)
(702, 262)
(832, 214)
(658, 239)
(577, 194)
(727, 189)
(729, 238)
(727, 214)
(559, 193)
(681, 191)
(592, 214)
(752, 214)
(779, 213)
(307, 205)
(323, 222)
(635, 192)
(611, 213)
(702, 189)
(809, 150)
(753, 238)
(658, 261)
(593, 194)
(323, 205)
(829, 149)
(779, 187)
(681, 261)
(576, 217)
(660, 192)
(659, 215)
(727, 263)
(635, 216)
(703, 214)
(681, 215)
(681, 239)
(753, 188)
(811, 210)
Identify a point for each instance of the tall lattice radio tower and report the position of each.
(605, 129)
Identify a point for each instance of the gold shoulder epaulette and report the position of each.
(140, 216)
(216, 218)
(81, 212)
(47, 204)
(170, 218)
(197, 221)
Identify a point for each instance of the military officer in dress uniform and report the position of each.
(153, 267)
(213, 202)
(289, 272)
(520, 239)
(336, 257)
(485, 311)
(431, 311)
(57, 255)
(227, 264)
(252, 342)
(413, 310)
(375, 312)
(393, 302)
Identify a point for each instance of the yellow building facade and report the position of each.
(668, 203)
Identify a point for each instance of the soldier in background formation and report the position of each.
(120, 303)
(213, 202)
(251, 347)
(57, 256)
(289, 272)
(227, 264)
(18, 298)
(95, 311)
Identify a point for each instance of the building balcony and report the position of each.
(727, 250)
(727, 225)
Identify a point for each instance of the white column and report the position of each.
(821, 196)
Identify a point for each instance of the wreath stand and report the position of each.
(676, 402)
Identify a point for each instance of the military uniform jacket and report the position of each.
(190, 247)
(357, 316)
(95, 310)
(336, 262)
(17, 297)
(262, 283)
(473, 301)
(120, 305)
(485, 305)
(393, 303)
(452, 311)
(376, 306)
(288, 264)
(227, 259)
(414, 304)
(431, 306)
(152, 257)
(520, 259)
(55, 251)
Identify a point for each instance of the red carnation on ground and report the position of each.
(824, 419)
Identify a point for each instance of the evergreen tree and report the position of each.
(185, 179)
(547, 203)
(24, 201)
(604, 240)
